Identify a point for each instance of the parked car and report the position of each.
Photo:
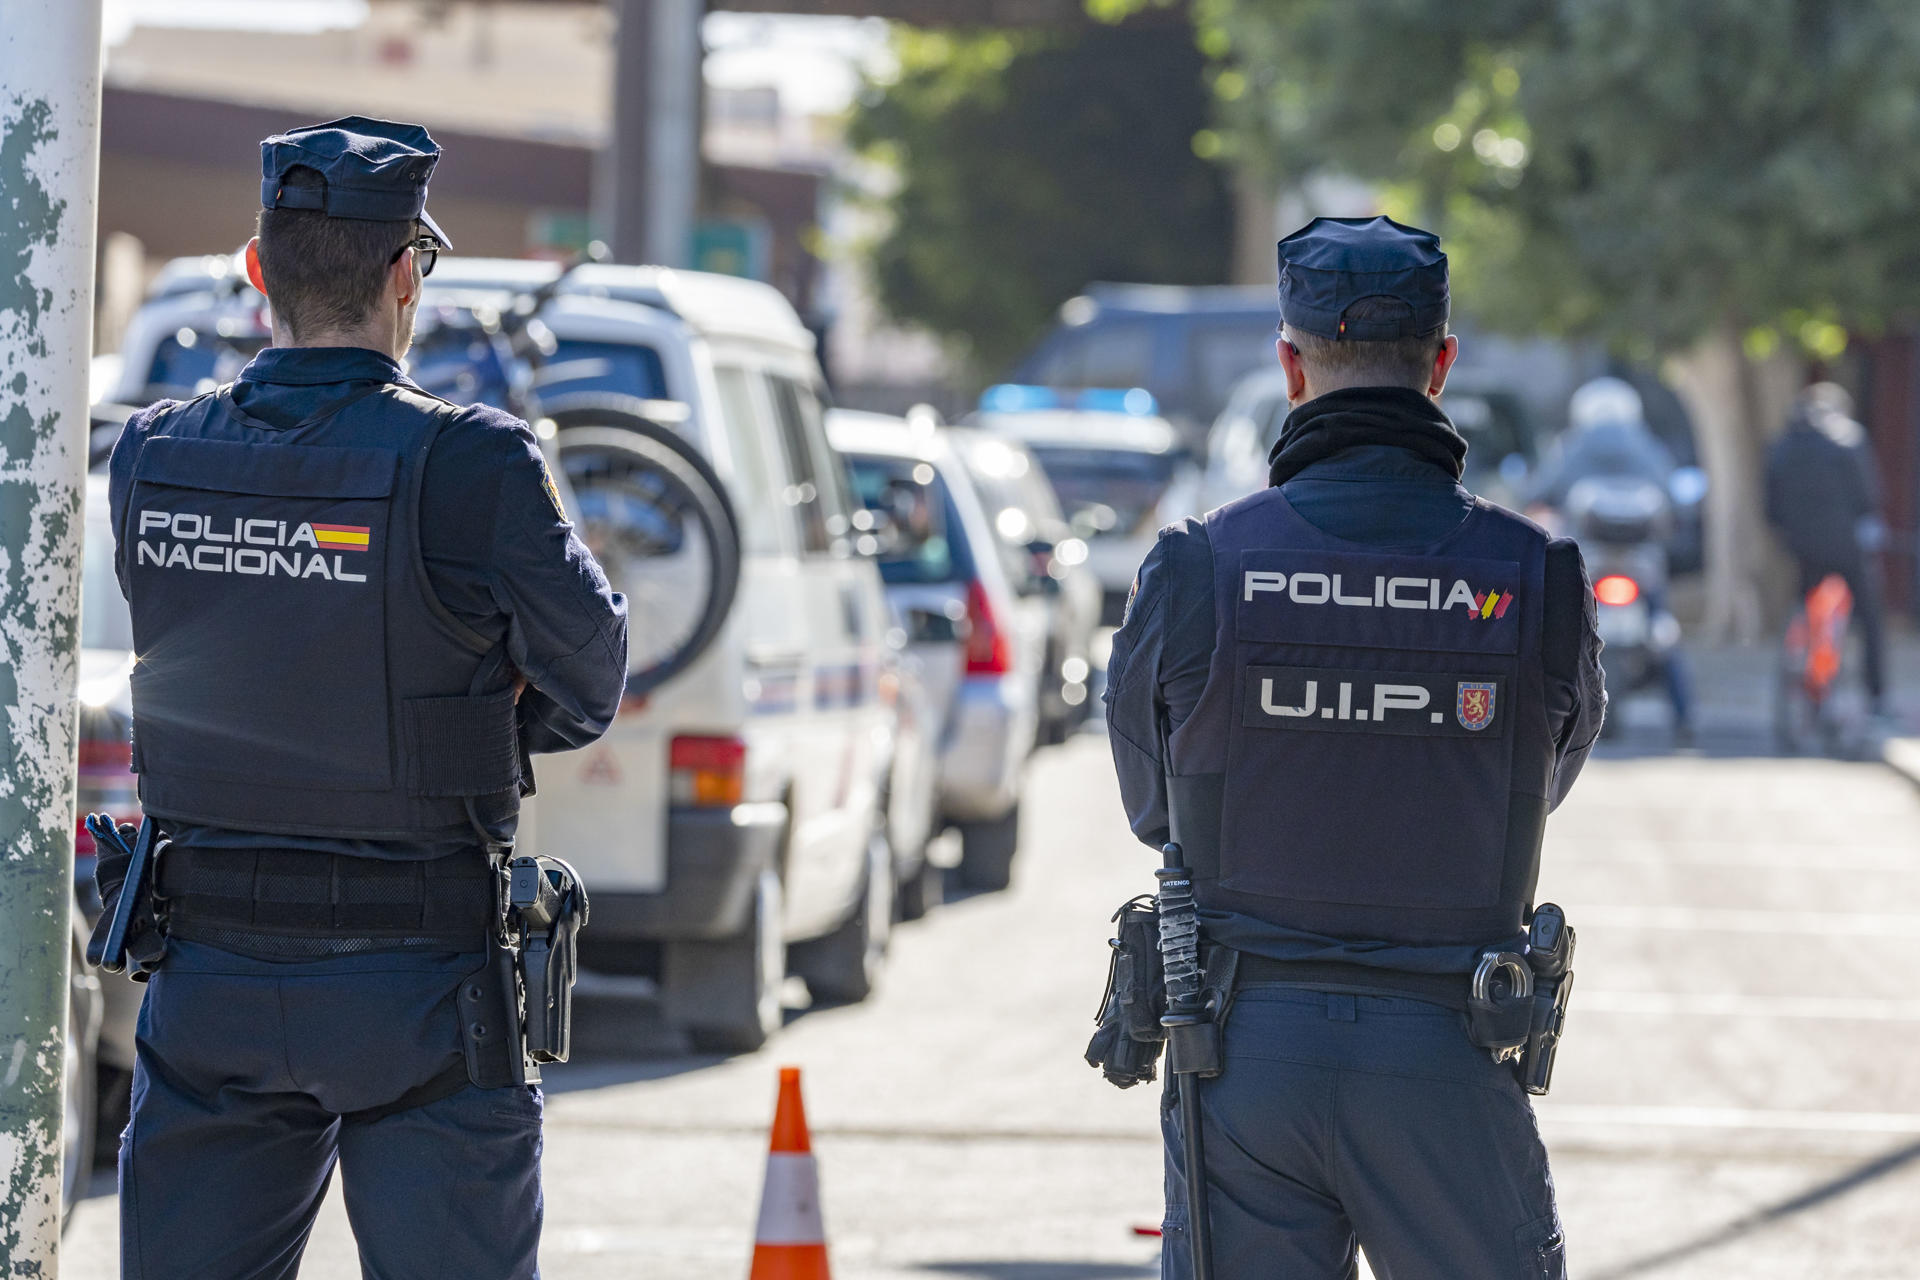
(1119, 475)
(81, 1066)
(948, 584)
(1186, 345)
(106, 784)
(730, 824)
(1047, 565)
(1502, 444)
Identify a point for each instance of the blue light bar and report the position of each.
(1010, 397)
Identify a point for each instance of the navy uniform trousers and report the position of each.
(1345, 1119)
(249, 1077)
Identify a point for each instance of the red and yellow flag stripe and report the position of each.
(346, 537)
(1488, 604)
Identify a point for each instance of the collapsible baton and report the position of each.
(1192, 1050)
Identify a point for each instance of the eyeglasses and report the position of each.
(426, 249)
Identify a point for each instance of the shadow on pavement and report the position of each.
(621, 1039)
(989, 1270)
(1760, 1219)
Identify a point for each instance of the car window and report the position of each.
(190, 361)
(1493, 423)
(1272, 416)
(1222, 353)
(1113, 353)
(836, 490)
(921, 541)
(1000, 471)
(623, 368)
(105, 622)
(760, 480)
(1108, 492)
(817, 492)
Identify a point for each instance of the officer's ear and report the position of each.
(253, 266)
(1442, 365)
(402, 277)
(1296, 369)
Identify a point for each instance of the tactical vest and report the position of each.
(1388, 751)
(295, 673)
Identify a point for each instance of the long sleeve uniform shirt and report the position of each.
(499, 555)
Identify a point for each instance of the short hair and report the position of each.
(325, 273)
(1396, 362)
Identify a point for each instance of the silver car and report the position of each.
(981, 649)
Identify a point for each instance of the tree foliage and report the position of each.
(1638, 169)
(1032, 164)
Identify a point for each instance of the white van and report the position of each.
(729, 823)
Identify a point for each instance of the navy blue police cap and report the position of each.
(376, 170)
(1332, 263)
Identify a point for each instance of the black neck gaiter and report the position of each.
(1339, 420)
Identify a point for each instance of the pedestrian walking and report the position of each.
(358, 610)
(1372, 688)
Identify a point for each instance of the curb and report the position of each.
(1903, 756)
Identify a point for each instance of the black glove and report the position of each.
(146, 942)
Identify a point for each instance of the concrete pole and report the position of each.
(49, 165)
(649, 179)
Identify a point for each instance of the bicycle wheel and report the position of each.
(656, 516)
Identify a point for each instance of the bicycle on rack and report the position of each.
(646, 502)
(1813, 655)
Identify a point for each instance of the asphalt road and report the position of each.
(1772, 1132)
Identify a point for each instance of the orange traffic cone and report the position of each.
(791, 1240)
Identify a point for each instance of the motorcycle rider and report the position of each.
(1607, 438)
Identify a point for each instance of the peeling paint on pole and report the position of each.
(49, 157)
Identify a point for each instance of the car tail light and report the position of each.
(101, 755)
(988, 653)
(1616, 588)
(707, 773)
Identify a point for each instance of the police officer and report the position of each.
(1376, 687)
(357, 609)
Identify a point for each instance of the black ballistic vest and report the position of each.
(295, 673)
(1388, 753)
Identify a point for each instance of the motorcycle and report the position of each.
(1623, 525)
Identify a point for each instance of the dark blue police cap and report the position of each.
(1332, 263)
(372, 169)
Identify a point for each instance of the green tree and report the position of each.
(1720, 181)
(1031, 164)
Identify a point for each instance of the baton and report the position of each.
(1186, 1022)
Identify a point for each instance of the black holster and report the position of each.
(1517, 1005)
(517, 1012)
(1129, 1036)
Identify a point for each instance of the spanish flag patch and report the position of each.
(343, 537)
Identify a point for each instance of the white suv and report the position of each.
(734, 810)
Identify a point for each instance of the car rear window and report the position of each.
(624, 368)
(1127, 482)
(190, 361)
(922, 541)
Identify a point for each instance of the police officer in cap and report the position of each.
(1371, 687)
(357, 609)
